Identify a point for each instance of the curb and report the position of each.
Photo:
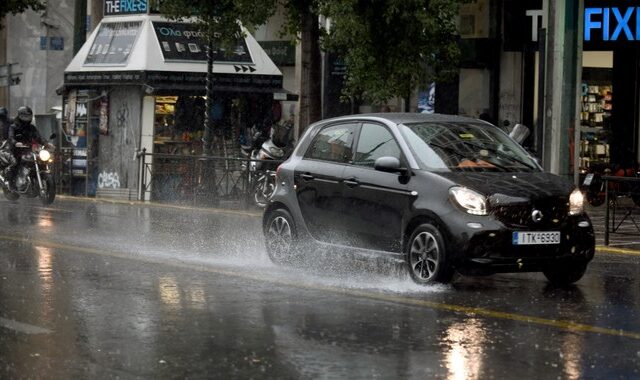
(208, 210)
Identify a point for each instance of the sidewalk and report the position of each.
(629, 242)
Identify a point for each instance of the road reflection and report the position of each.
(464, 346)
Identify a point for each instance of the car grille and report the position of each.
(554, 213)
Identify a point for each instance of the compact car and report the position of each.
(444, 193)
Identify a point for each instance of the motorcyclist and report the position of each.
(23, 132)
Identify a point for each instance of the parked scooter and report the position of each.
(33, 177)
(594, 186)
(266, 155)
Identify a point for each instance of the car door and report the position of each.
(375, 201)
(318, 180)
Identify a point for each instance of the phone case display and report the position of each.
(595, 117)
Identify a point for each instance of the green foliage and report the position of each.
(220, 18)
(18, 6)
(392, 46)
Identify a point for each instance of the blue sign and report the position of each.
(612, 24)
(125, 7)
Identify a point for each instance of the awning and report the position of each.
(152, 51)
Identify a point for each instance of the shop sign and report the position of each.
(106, 77)
(125, 7)
(174, 80)
(185, 42)
(113, 43)
(282, 53)
(611, 24)
(522, 20)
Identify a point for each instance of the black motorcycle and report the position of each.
(33, 177)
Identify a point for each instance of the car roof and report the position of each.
(405, 118)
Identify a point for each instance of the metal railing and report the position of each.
(196, 180)
(621, 214)
(72, 175)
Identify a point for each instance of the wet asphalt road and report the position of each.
(99, 290)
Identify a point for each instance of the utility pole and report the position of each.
(561, 84)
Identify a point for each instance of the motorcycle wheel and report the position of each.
(48, 191)
(263, 191)
(10, 195)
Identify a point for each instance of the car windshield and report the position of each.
(459, 146)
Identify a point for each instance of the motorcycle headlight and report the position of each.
(576, 202)
(44, 155)
(473, 202)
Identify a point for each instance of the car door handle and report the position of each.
(352, 182)
(307, 177)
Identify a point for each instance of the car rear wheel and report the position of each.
(566, 274)
(280, 236)
(427, 256)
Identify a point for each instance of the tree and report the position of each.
(220, 21)
(18, 6)
(302, 21)
(392, 46)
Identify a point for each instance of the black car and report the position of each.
(445, 193)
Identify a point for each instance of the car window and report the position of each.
(375, 141)
(333, 143)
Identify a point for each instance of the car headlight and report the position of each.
(473, 202)
(44, 155)
(576, 202)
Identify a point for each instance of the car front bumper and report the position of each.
(490, 249)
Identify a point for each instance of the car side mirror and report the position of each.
(519, 133)
(388, 165)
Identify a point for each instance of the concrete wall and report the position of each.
(42, 69)
(116, 157)
(474, 97)
(511, 83)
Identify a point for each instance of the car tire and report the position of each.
(427, 257)
(566, 274)
(280, 236)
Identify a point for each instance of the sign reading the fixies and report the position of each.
(602, 24)
(125, 7)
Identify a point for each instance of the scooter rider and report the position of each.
(24, 132)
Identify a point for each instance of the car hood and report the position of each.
(513, 187)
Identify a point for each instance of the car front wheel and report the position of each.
(427, 256)
(280, 236)
(566, 274)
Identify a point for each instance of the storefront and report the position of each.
(139, 83)
(606, 133)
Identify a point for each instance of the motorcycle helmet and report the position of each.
(25, 114)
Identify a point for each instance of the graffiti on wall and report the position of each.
(108, 180)
(122, 121)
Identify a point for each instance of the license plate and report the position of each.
(588, 179)
(536, 238)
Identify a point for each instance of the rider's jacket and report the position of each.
(25, 133)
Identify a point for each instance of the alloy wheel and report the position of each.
(279, 238)
(424, 256)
